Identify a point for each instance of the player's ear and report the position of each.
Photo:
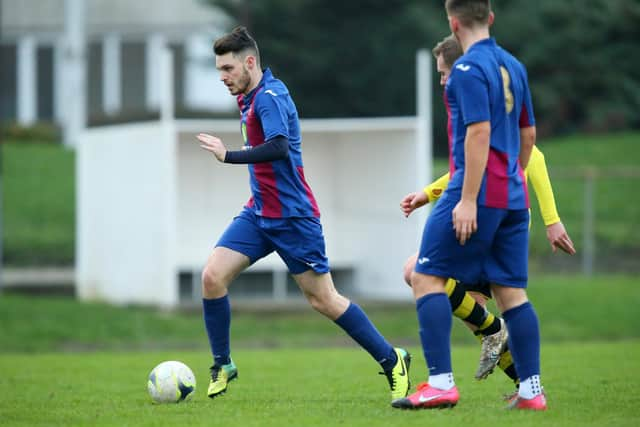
(250, 62)
(454, 24)
(491, 18)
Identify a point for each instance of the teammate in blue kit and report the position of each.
(282, 215)
(479, 228)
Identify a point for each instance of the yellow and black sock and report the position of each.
(506, 364)
(466, 308)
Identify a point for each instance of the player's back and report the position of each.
(489, 84)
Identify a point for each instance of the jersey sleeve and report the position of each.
(437, 187)
(271, 108)
(539, 178)
(472, 92)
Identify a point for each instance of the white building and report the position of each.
(121, 41)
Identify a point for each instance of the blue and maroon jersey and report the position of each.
(488, 84)
(278, 188)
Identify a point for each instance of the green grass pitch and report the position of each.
(593, 384)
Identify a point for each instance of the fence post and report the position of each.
(588, 232)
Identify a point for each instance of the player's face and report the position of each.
(233, 73)
(443, 69)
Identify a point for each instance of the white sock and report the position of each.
(442, 381)
(530, 387)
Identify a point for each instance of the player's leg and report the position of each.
(239, 245)
(464, 305)
(507, 266)
(307, 262)
(440, 256)
(471, 308)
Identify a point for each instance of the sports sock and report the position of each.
(506, 364)
(217, 321)
(434, 318)
(356, 323)
(530, 387)
(524, 339)
(466, 308)
(442, 381)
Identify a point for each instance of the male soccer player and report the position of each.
(468, 301)
(282, 216)
(479, 228)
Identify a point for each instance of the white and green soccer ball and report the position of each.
(171, 382)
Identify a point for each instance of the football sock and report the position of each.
(524, 339)
(358, 326)
(434, 318)
(506, 364)
(217, 321)
(442, 381)
(466, 308)
(530, 387)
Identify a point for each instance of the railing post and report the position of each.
(588, 231)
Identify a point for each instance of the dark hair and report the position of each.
(450, 50)
(238, 42)
(469, 12)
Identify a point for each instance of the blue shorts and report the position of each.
(497, 252)
(298, 241)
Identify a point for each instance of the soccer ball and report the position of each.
(171, 382)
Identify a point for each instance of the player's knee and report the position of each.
(212, 281)
(408, 268)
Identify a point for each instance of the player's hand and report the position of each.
(465, 220)
(559, 238)
(413, 201)
(212, 144)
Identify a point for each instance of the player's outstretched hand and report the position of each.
(559, 238)
(465, 220)
(413, 201)
(212, 144)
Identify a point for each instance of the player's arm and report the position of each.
(436, 188)
(431, 192)
(476, 154)
(272, 150)
(538, 176)
(527, 143)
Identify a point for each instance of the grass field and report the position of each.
(69, 363)
(587, 384)
(38, 186)
(569, 307)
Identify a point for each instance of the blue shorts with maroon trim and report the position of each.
(497, 252)
(298, 241)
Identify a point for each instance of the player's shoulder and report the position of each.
(273, 87)
(509, 58)
(466, 66)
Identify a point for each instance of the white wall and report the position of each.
(358, 169)
(152, 203)
(126, 214)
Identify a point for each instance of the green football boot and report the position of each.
(221, 375)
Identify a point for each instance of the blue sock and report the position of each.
(359, 327)
(217, 320)
(434, 318)
(524, 339)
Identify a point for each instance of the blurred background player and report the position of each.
(282, 216)
(468, 301)
(479, 228)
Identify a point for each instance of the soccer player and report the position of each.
(282, 216)
(468, 301)
(479, 228)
